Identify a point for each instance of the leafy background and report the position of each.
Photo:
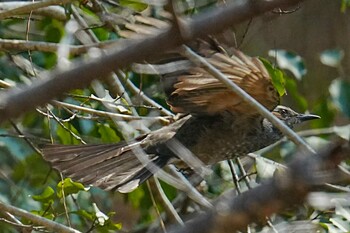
(311, 49)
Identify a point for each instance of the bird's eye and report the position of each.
(283, 112)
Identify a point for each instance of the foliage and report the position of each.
(28, 182)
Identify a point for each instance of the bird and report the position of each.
(215, 125)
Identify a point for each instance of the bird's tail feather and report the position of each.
(108, 166)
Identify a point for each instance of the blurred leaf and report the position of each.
(65, 136)
(134, 4)
(344, 5)
(341, 210)
(109, 226)
(136, 196)
(292, 90)
(342, 224)
(32, 170)
(101, 33)
(107, 133)
(332, 57)
(343, 131)
(340, 93)
(44, 214)
(277, 76)
(265, 167)
(326, 110)
(85, 214)
(316, 142)
(54, 30)
(289, 61)
(67, 186)
(45, 197)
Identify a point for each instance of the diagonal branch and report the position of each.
(17, 101)
(38, 220)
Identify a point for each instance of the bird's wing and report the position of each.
(196, 91)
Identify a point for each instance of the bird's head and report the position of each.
(291, 117)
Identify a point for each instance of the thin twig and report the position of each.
(7, 44)
(169, 208)
(65, 127)
(64, 201)
(155, 207)
(31, 7)
(113, 115)
(234, 176)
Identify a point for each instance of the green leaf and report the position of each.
(289, 61)
(136, 196)
(277, 76)
(292, 90)
(85, 214)
(67, 186)
(45, 197)
(44, 214)
(340, 93)
(332, 57)
(344, 5)
(134, 4)
(101, 33)
(107, 133)
(66, 136)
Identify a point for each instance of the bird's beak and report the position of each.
(307, 117)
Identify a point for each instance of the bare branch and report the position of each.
(7, 44)
(116, 116)
(31, 7)
(55, 12)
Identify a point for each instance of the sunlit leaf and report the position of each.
(47, 196)
(67, 187)
(332, 57)
(340, 93)
(289, 61)
(277, 76)
(133, 4)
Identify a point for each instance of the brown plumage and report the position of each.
(196, 91)
(218, 126)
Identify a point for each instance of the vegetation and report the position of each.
(38, 43)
